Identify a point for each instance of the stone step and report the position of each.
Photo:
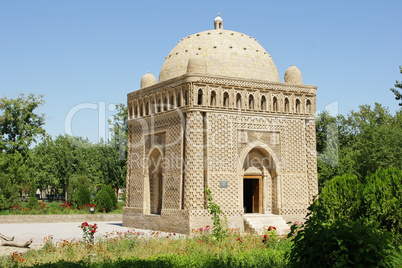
(257, 223)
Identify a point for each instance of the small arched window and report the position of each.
(199, 100)
(159, 106)
(152, 107)
(308, 107)
(147, 108)
(165, 104)
(238, 101)
(185, 97)
(135, 111)
(263, 103)
(225, 99)
(172, 101)
(213, 98)
(130, 111)
(251, 102)
(178, 99)
(286, 105)
(275, 104)
(141, 109)
(297, 106)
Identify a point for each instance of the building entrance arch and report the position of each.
(260, 190)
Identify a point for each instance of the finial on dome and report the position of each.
(218, 22)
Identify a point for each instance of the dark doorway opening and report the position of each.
(252, 195)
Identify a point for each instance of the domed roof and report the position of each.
(293, 75)
(226, 53)
(148, 80)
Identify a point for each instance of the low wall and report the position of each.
(60, 218)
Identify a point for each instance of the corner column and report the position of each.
(193, 188)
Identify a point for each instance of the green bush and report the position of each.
(82, 196)
(340, 244)
(340, 198)
(112, 194)
(103, 201)
(352, 222)
(8, 193)
(32, 201)
(382, 197)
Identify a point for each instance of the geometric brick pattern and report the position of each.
(211, 131)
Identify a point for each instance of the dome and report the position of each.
(226, 53)
(197, 64)
(148, 80)
(293, 75)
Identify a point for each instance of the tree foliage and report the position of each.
(352, 222)
(359, 143)
(398, 87)
(20, 125)
(82, 196)
(103, 201)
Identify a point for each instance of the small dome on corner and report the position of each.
(196, 64)
(293, 75)
(148, 80)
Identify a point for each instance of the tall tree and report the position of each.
(398, 84)
(118, 142)
(20, 125)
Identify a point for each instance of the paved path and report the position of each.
(59, 231)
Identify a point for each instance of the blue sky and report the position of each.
(90, 54)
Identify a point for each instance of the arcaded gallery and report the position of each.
(219, 117)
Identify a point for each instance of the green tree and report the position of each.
(103, 201)
(8, 188)
(398, 87)
(359, 143)
(353, 222)
(112, 194)
(119, 129)
(82, 196)
(20, 126)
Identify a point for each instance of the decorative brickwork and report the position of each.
(250, 139)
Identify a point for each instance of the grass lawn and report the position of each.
(134, 249)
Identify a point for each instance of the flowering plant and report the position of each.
(89, 232)
(270, 236)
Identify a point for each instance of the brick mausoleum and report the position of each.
(219, 117)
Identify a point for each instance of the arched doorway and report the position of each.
(155, 182)
(258, 181)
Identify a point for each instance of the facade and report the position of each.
(219, 117)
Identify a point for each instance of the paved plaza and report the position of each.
(59, 231)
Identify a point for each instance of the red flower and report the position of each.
(265, 236)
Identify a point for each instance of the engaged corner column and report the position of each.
(194, 162)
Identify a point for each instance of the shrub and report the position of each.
(32, 201)
(103, 201)
(382, 200)
(339, 244)
(112, 194)
(8, 193)
(82, 196)
(340, 198)
(352, 222)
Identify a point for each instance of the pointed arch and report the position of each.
(153, 185)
